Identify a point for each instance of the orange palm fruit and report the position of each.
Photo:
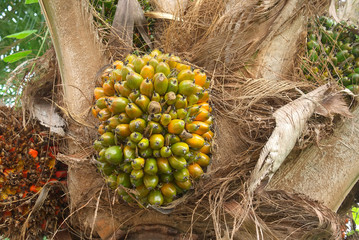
(163, 166)
(104, 114)
(134, 95)
(95, 110)
(101, 102)
(146, 87)
(205, 97)
(206, 149)
(176, 126)
(202, 127)
(200, 77)
(153, 62)
(124, 118)
(196, 141)
(202, 115)
(181, 66)
(186, 185)
(169, 190)
(117, 64)
(134, 80)
(195, 170)
(208, 136)
(99, 92)
(147, 71)
(123, 130)
(146, 58)
(113, 121)
(202, 159)
(108, 88)
(142, 101)
(101, 129)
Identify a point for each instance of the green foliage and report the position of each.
(16, 56)
(21, 38)
(21, 35)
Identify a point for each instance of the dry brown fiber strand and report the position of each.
(243, 109)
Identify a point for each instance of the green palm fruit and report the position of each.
(164, 166)
(180, 149)
(155, 97)
(156, 117)
(146, 153)
(126, 167)
(160, 83)
(162, 67)
(136, 182)
(181, 101)
(107, 169)
(156, 141)
(113, 155)
(142, 191)
(156, 153)
(153, 62)
(182, 113)
(101, 102)
(154, 127)
(136, 137)
(138, 163)
(128, 154)
(122, 88)
(134, 80)
(155, 198)
(187, 87)
(108, 139)
(138, 64)
(186, 74)
(150, 166)
(150, 181)
(177, 162)
(166, 178)
(165, 152)
(137, 125)
(98, 146)
(133, 111)
(111, 181)
(142, 101)
(125, 70)
(172, 85)
(131, 144)
(181, 175)
(144, 143)
(123, 179)
(134, 95)
(165, 119)
(123, 118)
(113, 121)
(137, 174)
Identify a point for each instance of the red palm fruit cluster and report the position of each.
(27, 164)
(155, 127)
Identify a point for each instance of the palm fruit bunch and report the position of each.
(155, 127)
(333, 51)
(27, 163)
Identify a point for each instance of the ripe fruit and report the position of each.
(155, 131)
